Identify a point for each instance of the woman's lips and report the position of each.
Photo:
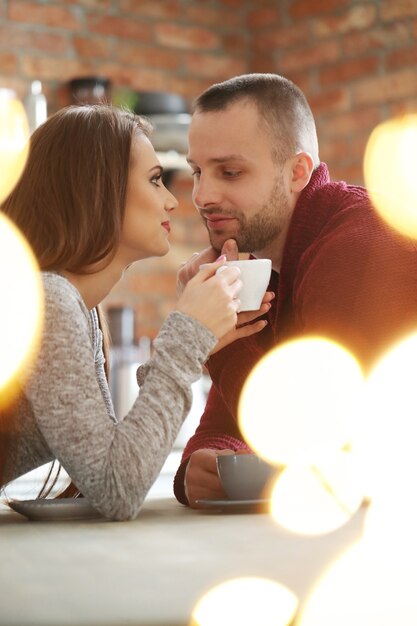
(167, 226)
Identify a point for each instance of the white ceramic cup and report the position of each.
(255, 275)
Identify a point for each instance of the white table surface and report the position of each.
(150, 571)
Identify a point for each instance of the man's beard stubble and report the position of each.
(258, 231)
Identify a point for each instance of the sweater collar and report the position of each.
(309, 215)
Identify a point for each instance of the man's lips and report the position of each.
(167, 226)
(218, 222)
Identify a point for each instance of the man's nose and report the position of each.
(205, 193)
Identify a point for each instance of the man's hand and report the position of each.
(244, 326)
(189, 268)
(201, 480)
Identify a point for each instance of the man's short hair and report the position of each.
(282, 106)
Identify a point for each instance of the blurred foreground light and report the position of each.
(246, 602)
(14, 145)
(372, 584)
(21, 309)
(390, 172)
(317, 499)
(387, 418)
(299, 402)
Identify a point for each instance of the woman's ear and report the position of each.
(302, 167)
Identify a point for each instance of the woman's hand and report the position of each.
(190, 268)
(211, 297)
(244, 327)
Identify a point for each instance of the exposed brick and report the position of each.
(311, 56)
(380, 37)
(217, 67)
(136, 78)
(279, 38)
(399, 9)
(352, 174)
(238, 5)
(386, 88)
(188, 87)
(299, 9)
(264, 16)
(186, 37)
(47, 15)
(8, 63)
(334, 150)
(220, 19)
(350, 123)
(120, 27)
(401, 58)
(162, 9)
(262, 63)
(148, 56)
(301, 79)
(359, 17)
(52, 68)
(91, 4)
(349, 70)
(93, 47)
(357, 147)
(13, 36)
(330, 101)
(236, 43)
(402, 107)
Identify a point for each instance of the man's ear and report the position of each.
(302, 167)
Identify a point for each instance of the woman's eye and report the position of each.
(155, 180)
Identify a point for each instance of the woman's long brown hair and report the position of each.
(70, 200)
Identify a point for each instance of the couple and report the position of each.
(91, 202)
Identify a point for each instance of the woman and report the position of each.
(91, 202)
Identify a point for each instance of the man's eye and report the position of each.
(196, 173)
(231, 173)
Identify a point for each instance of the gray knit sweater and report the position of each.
(66, 411)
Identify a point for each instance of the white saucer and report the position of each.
(55, 509)
(236, 506)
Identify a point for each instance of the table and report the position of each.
(150, 571)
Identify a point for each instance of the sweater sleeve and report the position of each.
(218, 430)
(113, 464)
(357, 286)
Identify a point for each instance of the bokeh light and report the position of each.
(387, 422)
(299, 402)
(247, 601)
(317, 499)
(22, 308)
(14, 144)
(371, 584)
(390, 172)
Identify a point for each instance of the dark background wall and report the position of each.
(354, 59)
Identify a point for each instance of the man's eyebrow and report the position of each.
(224, 159)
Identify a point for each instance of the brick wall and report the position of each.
(355, 60)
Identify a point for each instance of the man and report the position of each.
(338, 270)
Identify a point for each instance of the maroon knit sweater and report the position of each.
(345, 275)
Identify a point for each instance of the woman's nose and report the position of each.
(171, 202)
